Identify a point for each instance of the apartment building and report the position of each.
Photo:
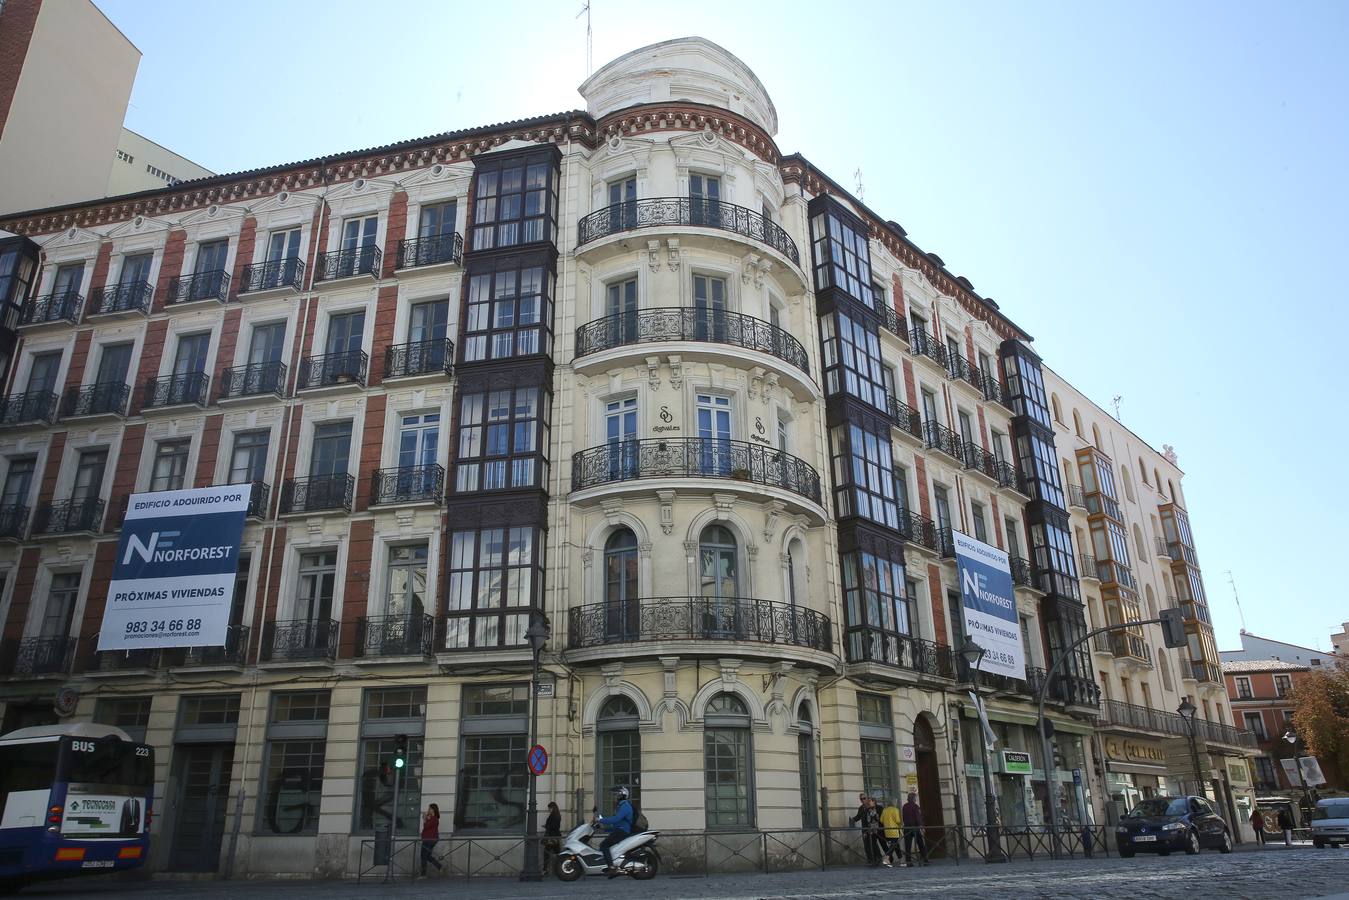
(629, 371)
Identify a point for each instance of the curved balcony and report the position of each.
(699, 619)
(732, 461)
(691, 211)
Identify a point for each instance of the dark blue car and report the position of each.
(1163, 824)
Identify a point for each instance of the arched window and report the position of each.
(805, 758)
(1171, 486)
(618, 747)
(1150, 599)
(1140, 548)
(1157, 480)
(1095, 436)
(1058, 410)
(728, 774)
(1077, 424)
(1165, 668)
(622, 608)
(1142, 472)
(1128, 484)
(718, 564)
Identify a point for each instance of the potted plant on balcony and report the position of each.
(740, 474)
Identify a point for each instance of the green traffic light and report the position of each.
(398, 763)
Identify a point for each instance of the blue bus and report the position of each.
(74, 800)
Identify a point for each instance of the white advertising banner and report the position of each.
(173, 579)
(990, 605)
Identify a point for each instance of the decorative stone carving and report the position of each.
(770, 386)
(730, 670)
(723, 504)
(612, 510)
(672, 254)
(653, 372)
(653, 255)
(748, 266)
(587, 558)
(772, 515)
(613, 674)
(676, 372)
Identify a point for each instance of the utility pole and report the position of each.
(589, 37)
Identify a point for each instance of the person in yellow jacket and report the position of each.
(890, 821)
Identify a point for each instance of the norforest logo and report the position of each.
(160, 549)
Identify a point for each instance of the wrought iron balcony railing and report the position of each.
(299, 640)
(1086, 566)
(273, 274)
(1178, 551)
(906, 417)
(210, 285)
(253, 380)
(979, 460)
(1163, 549)
(874, 645)
(1160, 721)
(1111, 572)
(937, 436)
(923, 344)
(408, 484)
(692, 211)
(348, 367)
(350, 262)
(919, 530)
(1205, 671)
(1021, 571)
(653, 326)
(1005, 472)
(946, 541)
(412, 635)
(430, 251)
(421, 358)
(233, 653)
(37, 656)
(317, 493)
(91, 659)
(107, 398)
(14, 521)
(69, 516)
(257, 499)
(734, 619)
(890, 320)
(1075, 496)
(133, 296)
(694, 458)
(1103, 504)
(183, 389)
(961, 369)
(34, 406)
(59, 306)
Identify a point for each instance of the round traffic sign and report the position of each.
(538, 759)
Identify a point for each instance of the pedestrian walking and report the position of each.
(890, 820)
(552, 836)
(1286, 826)
(1258, 824)
(860, 818)
(913, 830)
(430, 837)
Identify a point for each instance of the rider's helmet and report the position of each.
(621, 792)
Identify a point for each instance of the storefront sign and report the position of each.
(1129, 750)
(1237, 772)
(990, 605)
(974, 770)
(1016, 762)
(173, 578)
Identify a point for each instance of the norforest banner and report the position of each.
(173, 581)
(990, 605)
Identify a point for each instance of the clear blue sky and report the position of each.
(1156, 191)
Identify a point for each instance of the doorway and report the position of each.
(200, 802)
(929, 782)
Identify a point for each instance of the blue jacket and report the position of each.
(621, 820)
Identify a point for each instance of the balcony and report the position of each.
(349, 263)
(266, 379)
(442, 249)
(233, 654)
(891, 321)
(1086, 567)
(1205, 672)
(108, 398)
(32, 408)
(1075, 497)
(1005, 473)
(1158, 721)
(299, 640)
(918, 530)
(68, 517)
(378, 636)
(1066, 689)
(1021, 572)
(694, 458)
(319, 493)
(52, 309)
(419, 359)
(274, 275)
(212, 285)
(111, 661)
(13, 522)
(690, 211)
(668, 324)
(923, 344)
(958, 368)
(1125, 645)
(1162, 548)
(1178, 552)
(131, 298)
(698, 619)
(345, 369)
(994, 392)
(171, 391)
(980, 461)
(36, 656)
(874, 645)
(942, 439)
(906, 417)
(1110, 572)
(257, 499)
(407, 484)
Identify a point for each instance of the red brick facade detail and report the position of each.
(209, 452)
(125, 469)
(79, 359)
(170, 266)
(55, 453)
(897, 288)
(360, 550)
(152, 350)
(997, 517)
(372, 447)
(910, 388)
(229, 339)
(293, 442)
(24, 577)
(102, 263)
(386, 314)
(924, 504)
(105, 556)
(395, 230)
(243, 254)
(938, 604)
(266, 612)
(983, 429)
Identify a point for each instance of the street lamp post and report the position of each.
(1187, 711)
(973, 655)
(537, 634)
(1292, 738)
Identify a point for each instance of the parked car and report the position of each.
(1330, 822)
(1162, 824)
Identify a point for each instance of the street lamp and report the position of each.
(1292, 738)
(537, 634)
(973, 655)
(1187, 711)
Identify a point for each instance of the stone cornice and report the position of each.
(695, 117)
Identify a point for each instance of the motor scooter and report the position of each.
(635, 855)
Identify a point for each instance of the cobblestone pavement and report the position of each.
(1276, 871)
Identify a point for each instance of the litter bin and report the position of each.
(381, 845)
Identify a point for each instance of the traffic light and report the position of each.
(1173, 627)
(400, 751)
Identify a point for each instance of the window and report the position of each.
(718, 565)
(1283, 684)
(1165, 666)
(1038, 465)
(18, 483)
(297, 737)
(864, 478)
(283, 245)
(1010, 528)
(514, 202)
(805, 758)
(622, 610)
(42, 375)
(842, 256)
(727, 756)
(136, 269)
(714, 434)
(69, 279)
(405, 599)
(704, 200)
(1026, 387)
(1255, 723)
(89, 474)
(131, 714)
(977, 517)
(437, 220)
(618, 744)
(60, 608)
(876, 728)
(210, 709)
(620, 311)
(620, 435)
(493, 780)
(314, 595)
(709, 304)
(852, 360)
(387, 713)
(170, 466)
(510, 311)
(877, 607)
(502, 436)
(114, 363)
(418, 441)
(623, 203)
(248, 460)
(495, 574)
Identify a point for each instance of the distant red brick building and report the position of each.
(1260, 693)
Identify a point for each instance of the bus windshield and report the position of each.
(108, 764)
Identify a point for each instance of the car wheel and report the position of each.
(1226, 845)
(1126, 854)
(568, 868)
(1192, 844)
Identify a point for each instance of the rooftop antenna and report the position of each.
(858, 176)
(589, 37)
(1232, 581)
(1115, 400)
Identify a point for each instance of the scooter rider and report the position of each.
(620, 827)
